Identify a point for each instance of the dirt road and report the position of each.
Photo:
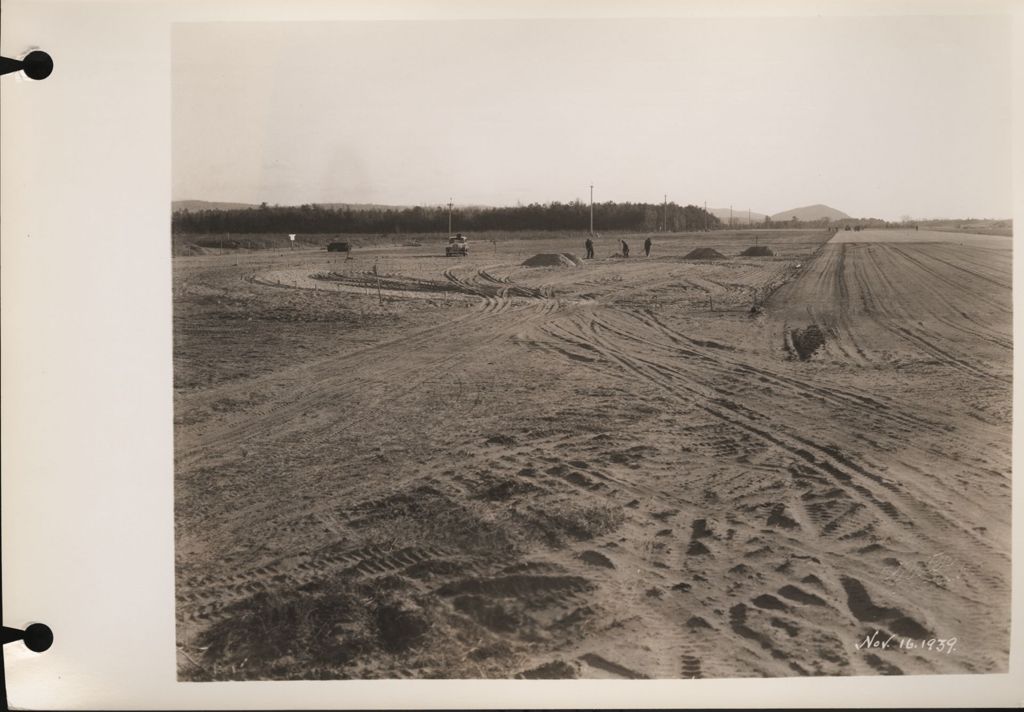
(612, 470)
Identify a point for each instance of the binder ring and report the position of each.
(37, 637)
(37, 65)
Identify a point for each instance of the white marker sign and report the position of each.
(292, 238)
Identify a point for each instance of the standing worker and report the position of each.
(590, 248)
(647, 247)
(625, 248)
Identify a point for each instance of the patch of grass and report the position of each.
(554, 670)
(277, 635)
(324, 631)
(424, 514)
(581, 522)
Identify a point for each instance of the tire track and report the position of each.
(840, 470)
(701, 395)
(893, 321)
(724, 363)
(205, 599)
(958, 285)
(338, 377)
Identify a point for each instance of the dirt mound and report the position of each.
(193, 249)
(704, 253)
(572, 258)
(596, 558)
(554, 670)
(216, 243)
(552, 259)
(807, 341)
(757, 251)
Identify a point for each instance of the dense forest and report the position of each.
(315, 219)
(572, 216)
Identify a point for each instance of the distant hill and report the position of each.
(811, 212)
(739, 217)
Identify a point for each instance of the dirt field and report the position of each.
(610, 470)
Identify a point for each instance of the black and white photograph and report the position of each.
(583, 348)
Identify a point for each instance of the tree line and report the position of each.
(575, 215)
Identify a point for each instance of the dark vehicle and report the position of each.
(456, 246)
(339, 247)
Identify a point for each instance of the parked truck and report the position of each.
(456, 246)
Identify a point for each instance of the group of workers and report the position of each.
(589, 244)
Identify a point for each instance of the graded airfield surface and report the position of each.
(613, 470)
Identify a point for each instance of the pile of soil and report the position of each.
(757, 251)
(807, 341)
(193, 249)
(704, 253)
(216, 242)
(552, 259)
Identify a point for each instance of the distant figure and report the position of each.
(647, 247)
(590, 248)
(625, 248)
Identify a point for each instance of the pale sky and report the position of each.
(875, 116)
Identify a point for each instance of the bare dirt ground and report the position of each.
(611, 470)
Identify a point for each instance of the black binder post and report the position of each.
(37, 637)
(36, 65)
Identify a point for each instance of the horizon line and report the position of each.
(739, 211)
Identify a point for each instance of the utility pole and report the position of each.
(749, 224)
(449, 216)
(380, 297)
(730, 216)
(705, 216)
(664, 227)
(591, 208)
